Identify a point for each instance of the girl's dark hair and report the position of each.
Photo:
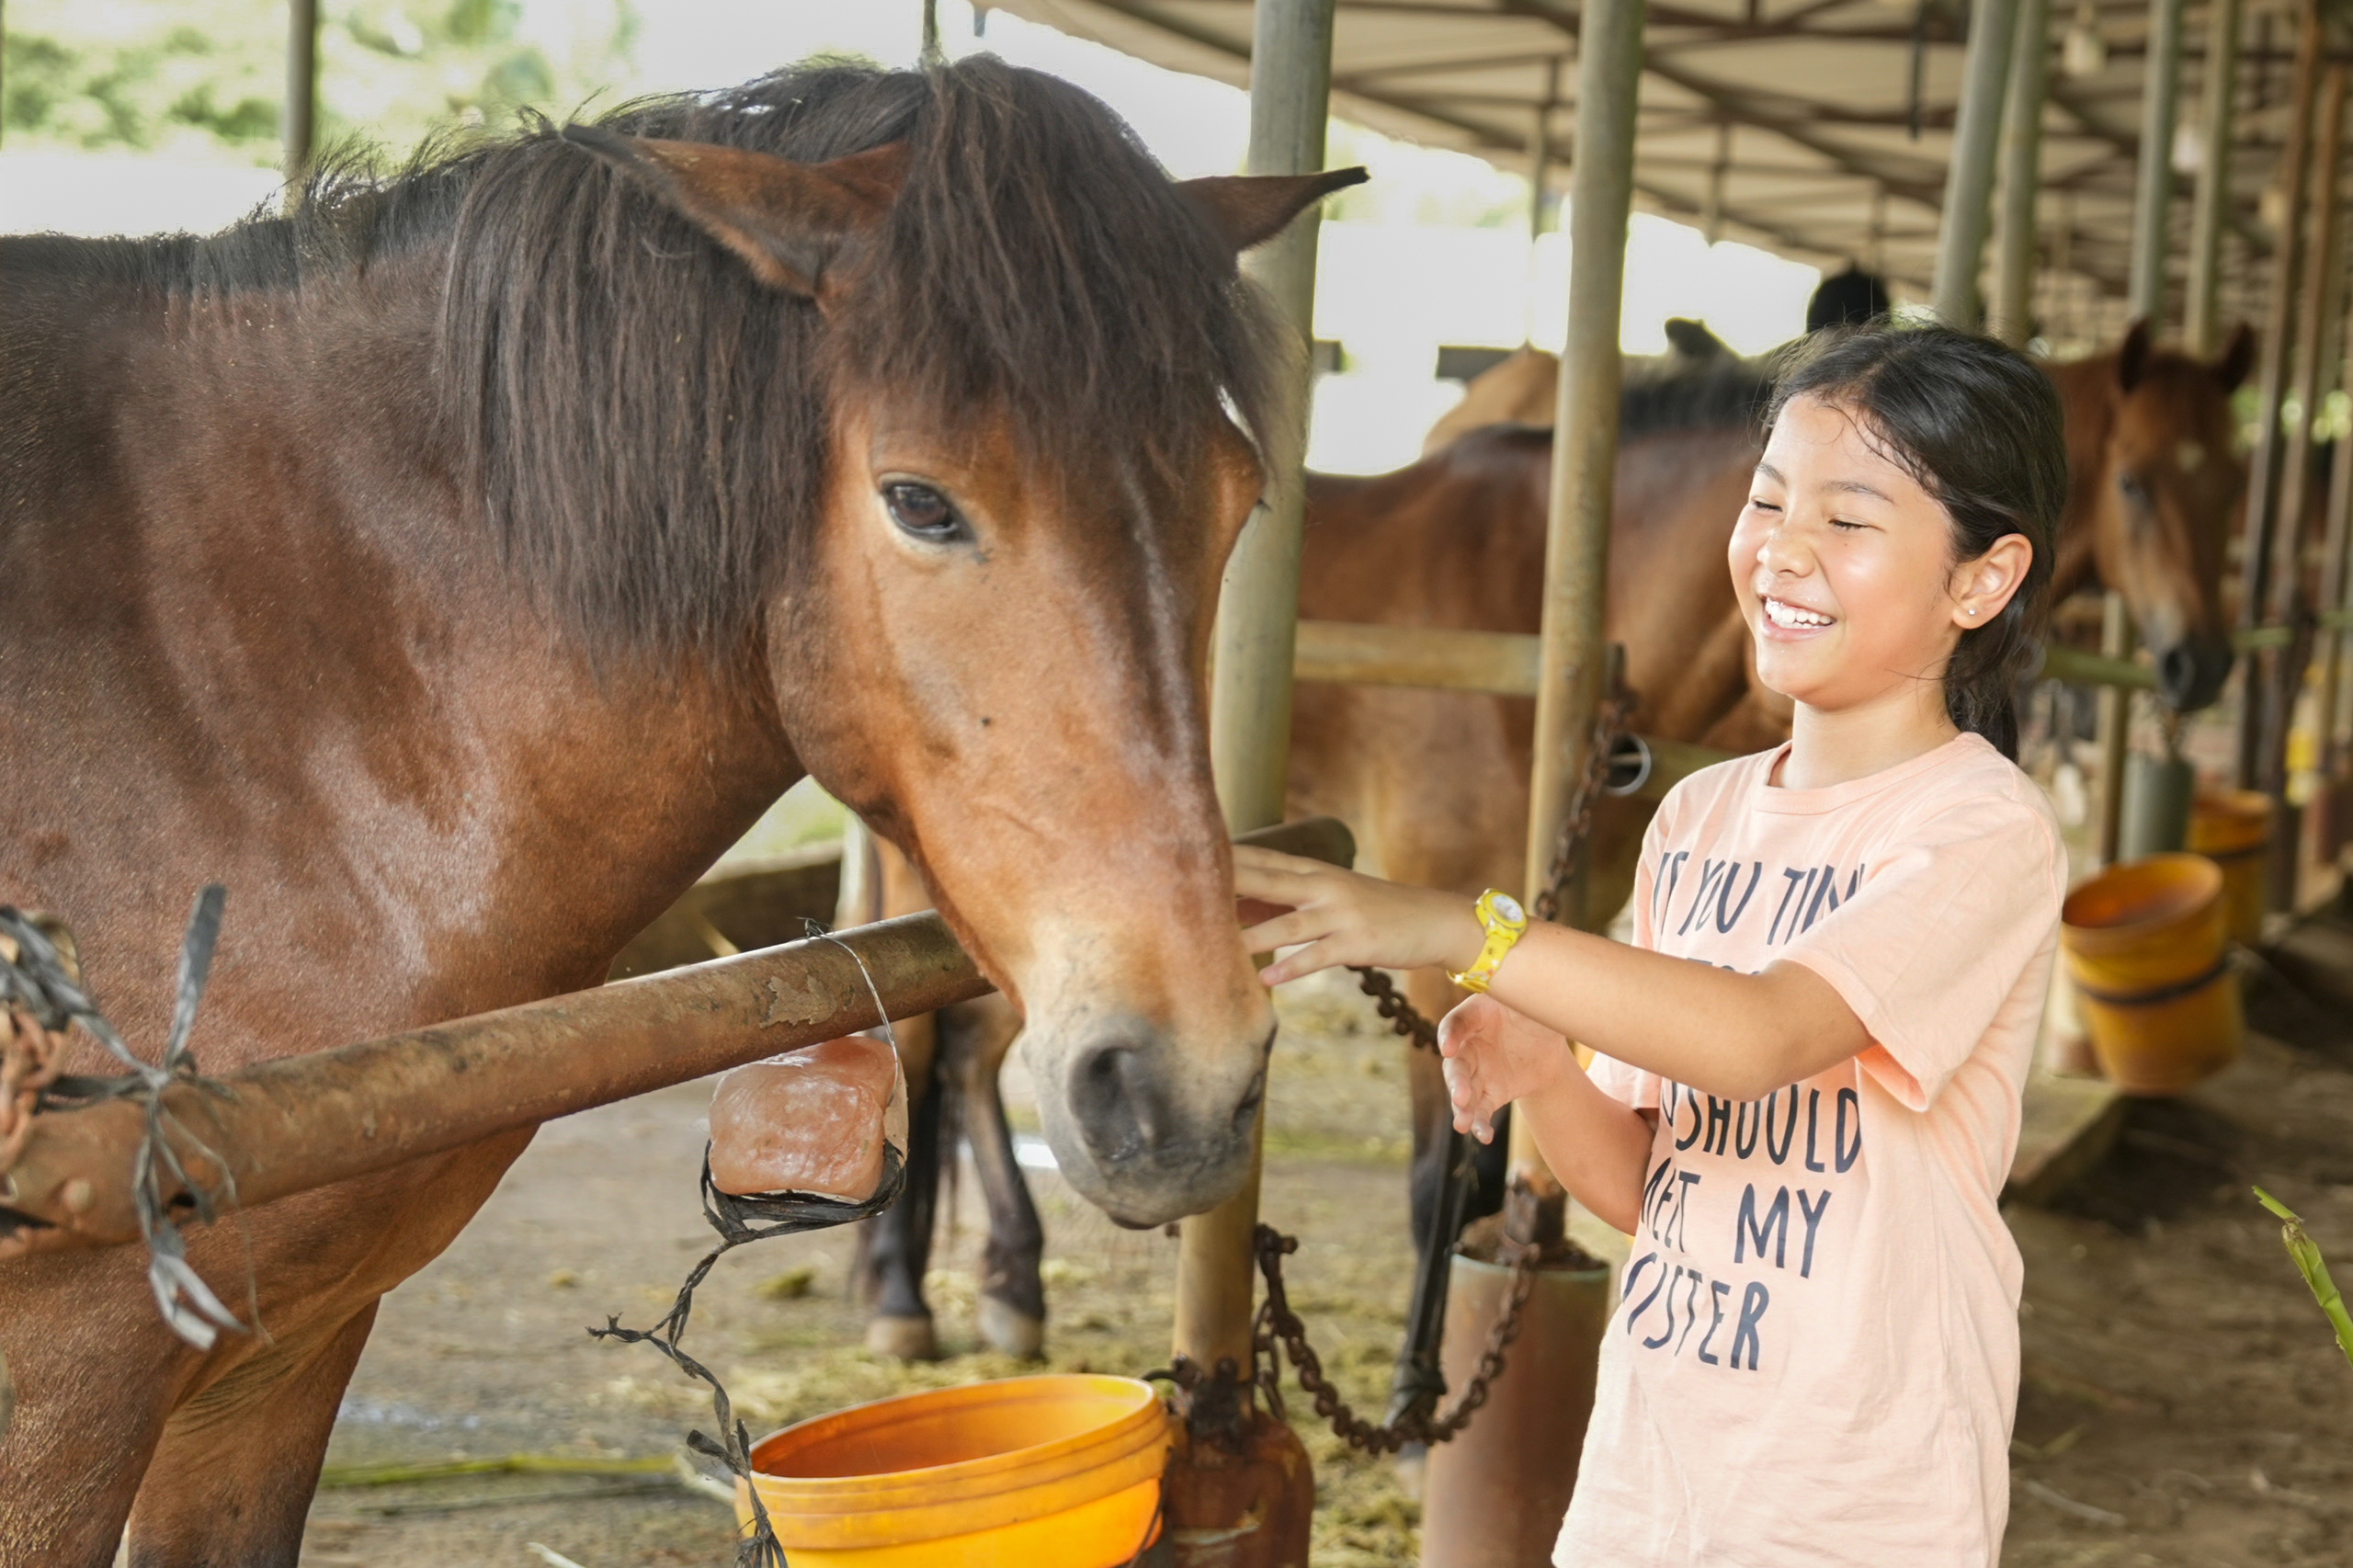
(1980, 429)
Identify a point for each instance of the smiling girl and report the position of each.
(1806, 1088)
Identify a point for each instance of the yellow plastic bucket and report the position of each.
(2147, 949)
(1060, 1471)
(2233, 828)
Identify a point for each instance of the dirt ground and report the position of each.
(2184, 1403)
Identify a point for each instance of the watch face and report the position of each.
(1509, 907)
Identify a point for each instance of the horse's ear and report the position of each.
(2238, 358)
(785, 219)
(2133, 355)
(1694, 340)
(1249, 210)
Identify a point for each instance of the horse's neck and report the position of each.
(254, 640)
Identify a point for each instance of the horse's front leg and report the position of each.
(895, 1248)
(94, 1368)
(974, 1039)
(232, 1481)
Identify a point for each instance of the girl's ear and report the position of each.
(1982, 588)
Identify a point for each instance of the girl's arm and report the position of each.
(1735, 1036)
(1599, 1147)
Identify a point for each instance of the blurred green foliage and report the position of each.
(198, 77)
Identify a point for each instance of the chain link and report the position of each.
(1278, 1324)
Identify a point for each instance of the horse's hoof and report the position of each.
(1011, 1331)
(907, 1339)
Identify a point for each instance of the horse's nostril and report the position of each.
(1117, 1102)
(2191, 672)
(2177, 673)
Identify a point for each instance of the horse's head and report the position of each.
(1044, 388)
(2161, 493)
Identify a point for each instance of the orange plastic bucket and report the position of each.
(1059, 1470)
(2147, 947)
(2233, 828)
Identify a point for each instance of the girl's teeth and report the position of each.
(1791, 615)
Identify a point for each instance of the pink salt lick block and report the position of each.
(813, 1121)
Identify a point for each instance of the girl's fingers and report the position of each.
(1306, 961)
(1282, 931)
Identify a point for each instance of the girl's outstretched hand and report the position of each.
(1344, 919)
(1495, 1056)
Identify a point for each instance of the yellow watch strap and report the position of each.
(1505, 922)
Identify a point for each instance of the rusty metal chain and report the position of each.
(1576, 824)
(1278, 1324)
(1568, 855)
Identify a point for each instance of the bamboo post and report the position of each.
(2323, 265)
(2013, 267)
(2115, 727)
(2202, 324)
(1584, 467)
(2271, 387)
(2152, 194)
(2274, 699)
(1539, 170)
(1969, 181)
(2022, 175)
(2333, 595)
(1539, 149)
(1250, 689)
(298, 121)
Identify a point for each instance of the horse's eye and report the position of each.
(2135, 491)
(923, 512)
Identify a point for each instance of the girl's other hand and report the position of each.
(1339, 917)
(1495, 1056)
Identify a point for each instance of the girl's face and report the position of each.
(1844, 568)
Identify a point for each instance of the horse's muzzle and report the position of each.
(2190, 674)
(1145, 1138)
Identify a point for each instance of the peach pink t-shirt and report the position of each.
(1815, 1356)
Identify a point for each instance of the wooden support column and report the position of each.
(2335, 593)
(2115, 728)
(1969, 181)
(2201, 320)
(298, 123)
(2153, 192)
(2264, 472)
(2274, 696)
(1584, 467)
(2014, 262)
(1257, 618)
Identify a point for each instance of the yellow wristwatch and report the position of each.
(1505, 923)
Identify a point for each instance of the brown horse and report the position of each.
(1435, 783)
(455, 568)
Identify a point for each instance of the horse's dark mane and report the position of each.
(647, 426)
(1669, 394)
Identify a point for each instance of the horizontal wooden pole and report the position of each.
(1505, 663)
(286, 1126)
(1502, 664)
